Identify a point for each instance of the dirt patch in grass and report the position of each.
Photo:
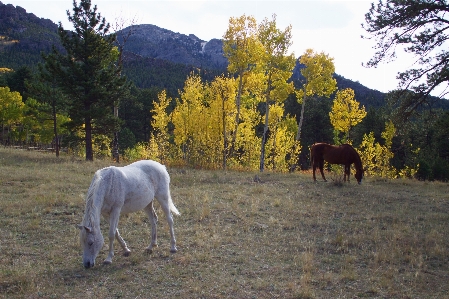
(281, 236)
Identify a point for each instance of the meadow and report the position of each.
(278, 236)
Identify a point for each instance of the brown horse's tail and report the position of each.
(312, 154)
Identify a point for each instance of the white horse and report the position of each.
(121, 190)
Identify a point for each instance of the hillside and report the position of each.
(24, 36)
(155, 57)
(147, 72)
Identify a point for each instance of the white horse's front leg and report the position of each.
(122, 242)
(113, 222)
(153, 221)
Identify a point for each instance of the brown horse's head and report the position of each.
(359, 175)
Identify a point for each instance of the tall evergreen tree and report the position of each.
(16, 80)
(419, 27)
(88, 73)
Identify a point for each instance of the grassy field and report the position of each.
(281, 237)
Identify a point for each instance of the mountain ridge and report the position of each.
(166, 54)
(176, 47)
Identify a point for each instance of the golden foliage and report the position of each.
(318, 73)
(345, 112)
(375, 157)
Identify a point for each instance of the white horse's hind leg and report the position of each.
(149, 209)
(173, 248)
(164, 204)
(122, 242)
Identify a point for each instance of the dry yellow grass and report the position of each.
(283, 237)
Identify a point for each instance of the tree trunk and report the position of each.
(55, 129)
(265, 129)
(89, 150)
(115, 153)
(237, 116)
(301, 119)
(225, 143)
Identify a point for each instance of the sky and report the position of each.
(332, 26)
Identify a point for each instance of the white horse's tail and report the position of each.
(172, 207)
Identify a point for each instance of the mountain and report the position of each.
(158, 43)
(366, 96)
(23, 36)
(154, 57)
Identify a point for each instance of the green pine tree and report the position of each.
(88, 73)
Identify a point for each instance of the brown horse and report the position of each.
(344, 154)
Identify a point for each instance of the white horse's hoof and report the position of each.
(106, 262)
(173, 250)
(127, 253)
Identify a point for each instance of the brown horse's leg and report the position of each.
(347, 172)
(321, 169)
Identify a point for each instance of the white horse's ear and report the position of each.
(87, 228)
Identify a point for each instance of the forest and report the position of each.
(261, 113)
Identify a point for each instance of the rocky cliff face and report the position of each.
(158, 43)
(23, 36)
(17, 22)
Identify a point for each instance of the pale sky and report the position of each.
(332, 26)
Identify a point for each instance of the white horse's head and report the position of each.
(91, 241)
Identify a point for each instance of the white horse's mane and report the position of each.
(91, 213)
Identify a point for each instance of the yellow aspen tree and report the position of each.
(346, 113)
(141, 150)
(247, 142)
(205, 136)
(386, 155)
(186, 117)
(243, 50)
(223, 113)
(318, 72)
(277, 68)
(11, 109)
(367, 151)
(376, 157)
(271, 149)
(38, 123)
(159, 138)
(282, 139)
